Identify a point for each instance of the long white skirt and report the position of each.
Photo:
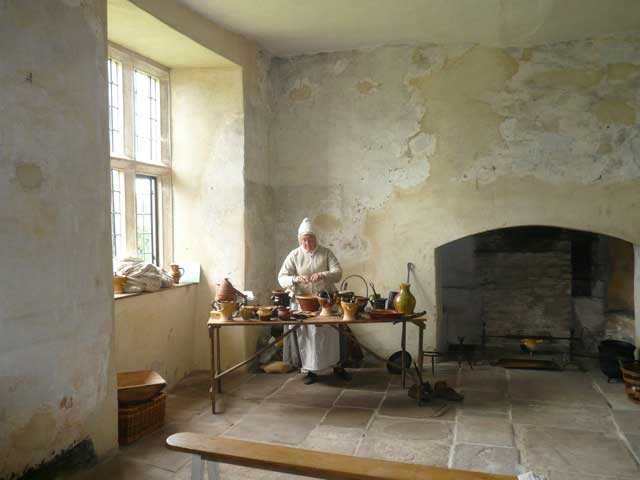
(319, 347)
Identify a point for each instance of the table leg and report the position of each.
(297, 345)
(403, 346)
(420, 359)
(218, 364)
(212, 388)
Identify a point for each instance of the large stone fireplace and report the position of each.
(536, 281)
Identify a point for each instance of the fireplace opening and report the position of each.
(533, 288)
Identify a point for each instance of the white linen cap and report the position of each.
(305, 228)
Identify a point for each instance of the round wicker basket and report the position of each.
(631, 376)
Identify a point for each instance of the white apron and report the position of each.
(319, 345)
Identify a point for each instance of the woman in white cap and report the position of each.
(312, 268)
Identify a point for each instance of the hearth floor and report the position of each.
(565, 425)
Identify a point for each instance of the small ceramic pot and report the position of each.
(280, 298)
(118, 283)
(378, 303)
(362, 302)
(246, 312)
(284, 313)
(264, 313)
(350, 311)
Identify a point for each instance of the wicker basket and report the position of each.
(631, 376)
(135, 421)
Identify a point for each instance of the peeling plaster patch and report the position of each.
(327, 222)
(300, 93)
(457, 111)
(619, 72)
(614, 111)
(340, 66)
(422, 56)
(567, 78)
(422, 143)
(29, 176)
(367, 87)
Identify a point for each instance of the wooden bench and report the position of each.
(213, 451)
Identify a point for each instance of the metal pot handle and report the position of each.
(366, 285)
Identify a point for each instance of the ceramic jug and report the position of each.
(176, 272)
(404, 301)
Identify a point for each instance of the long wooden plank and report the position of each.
(313, 463)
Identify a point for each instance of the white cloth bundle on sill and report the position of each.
(142, 277)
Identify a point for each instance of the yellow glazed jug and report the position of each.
(404, 302)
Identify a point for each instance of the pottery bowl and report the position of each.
(308, 303)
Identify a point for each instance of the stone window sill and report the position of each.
(121, 296)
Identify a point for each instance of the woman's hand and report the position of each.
(316, 277)
(301, 279)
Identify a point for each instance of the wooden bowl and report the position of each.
(308, 303)
(139, 386)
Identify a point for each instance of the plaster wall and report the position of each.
(253, 266)
(57, 379)
(398, 150)
(155, 331)
(208, 163)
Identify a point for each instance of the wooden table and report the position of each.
(214, 326)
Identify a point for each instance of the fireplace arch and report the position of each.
(534, 280)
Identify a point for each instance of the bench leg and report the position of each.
(197, 470)
(212, 470)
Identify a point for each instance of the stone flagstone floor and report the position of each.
(566, 425)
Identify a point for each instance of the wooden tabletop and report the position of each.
(334, 320)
